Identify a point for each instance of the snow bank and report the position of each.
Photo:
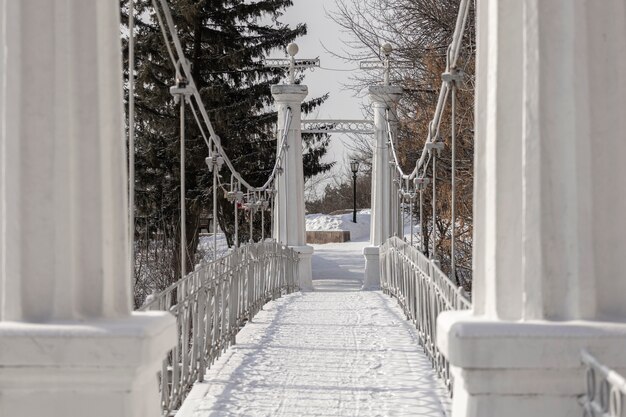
(205, 246)
(359, 230)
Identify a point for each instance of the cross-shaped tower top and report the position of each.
(386, 63)
(292, 63)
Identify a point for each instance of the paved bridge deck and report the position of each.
(333, 352)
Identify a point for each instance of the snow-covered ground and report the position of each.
(337, 351)
(206, 248)
(358, 231)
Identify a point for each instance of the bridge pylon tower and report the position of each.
(289, 217)
(70, 344)
(384, 219)
(549, 202)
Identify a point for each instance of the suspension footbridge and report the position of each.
(336, 351)
(279, 327)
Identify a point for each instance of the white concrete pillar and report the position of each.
(289, 216)
(550, 198)
(69, 343)
(383, 97)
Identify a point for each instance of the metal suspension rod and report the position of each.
(263, 218)
(422, 220)
(215, 174)
(236, 201)
(183, 214)
(453, 209)
(251, 210)
(434, 252)
(411, 215)
(401, 207)
(272, 214)
(401, 204)
(186, 70)
(131, 136)
(393, 199)
(277, 209)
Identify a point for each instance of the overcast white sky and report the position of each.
(323, 31)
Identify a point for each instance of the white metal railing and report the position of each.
(212, 303)
(605, 389)
(423, 291)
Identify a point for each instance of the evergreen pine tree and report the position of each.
(225, 42)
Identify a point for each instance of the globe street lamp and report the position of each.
(354, 167)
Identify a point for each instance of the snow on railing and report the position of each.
(212, 303)
(423, 291)
(605, 389)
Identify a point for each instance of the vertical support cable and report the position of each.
(434, 252)
(277, 207)
(263, 217)
(273, 213)
(411, 215)
(422, 219)
(401, 206)
(453, 236)
(286, 213)
(251, 204)
(215, 174)
(236, 201)
(183, 214)
(131, 137)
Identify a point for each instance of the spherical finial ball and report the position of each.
(387, 49)
(292, 49)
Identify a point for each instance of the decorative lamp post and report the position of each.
(354, 167)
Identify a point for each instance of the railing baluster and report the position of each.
(423, 291)
(212, 303)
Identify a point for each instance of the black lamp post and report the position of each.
(354, 167)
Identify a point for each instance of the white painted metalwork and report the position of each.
(605, 389)
(338, 126)
(131, 137)
(183, 70)
(423, 291)
(212, 303)
(386, 63)
(293, 64)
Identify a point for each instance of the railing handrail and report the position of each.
(212, 303)
(604, 397)
(423, 291)
(460, 290)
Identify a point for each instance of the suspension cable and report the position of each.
(131, 137)
(434, 201)
(422, 219)
(453, 185)
(183, 214)
(412, 200)
(452, 60)
(165, 37)
(213, 142)
(215, 179)
(196, 95)
(263, 206)
(454, 50)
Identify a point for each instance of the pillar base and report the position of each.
(98, 368)
(372, 268)
(305, 270)
(521, 369)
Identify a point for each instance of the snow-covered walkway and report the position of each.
(337, 351)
